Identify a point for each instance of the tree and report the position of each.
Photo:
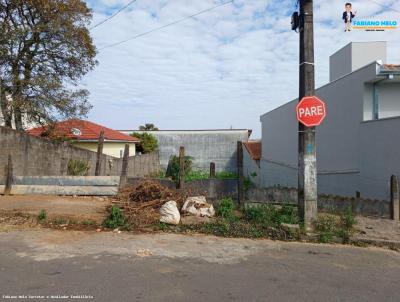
(45, 49)
(148, 142)
(148, 127)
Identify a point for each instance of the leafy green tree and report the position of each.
(45, 49)
(148, 127)
(148, 142)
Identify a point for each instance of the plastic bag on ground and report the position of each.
(169, 213)
(198, 206)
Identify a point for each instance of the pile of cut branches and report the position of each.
(141, 203)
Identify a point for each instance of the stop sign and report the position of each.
(310, 111)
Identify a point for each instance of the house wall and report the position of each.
(109, 148)
(205, 146)
(355, 55)
(339, 150)
(364, 53)
(340, 63)
(35, 156)
(379, 156)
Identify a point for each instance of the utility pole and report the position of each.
(307, 165)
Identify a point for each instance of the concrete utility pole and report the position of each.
(307, 173)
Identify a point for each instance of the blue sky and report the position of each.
(221, 69)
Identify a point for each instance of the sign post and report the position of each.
(310, 113)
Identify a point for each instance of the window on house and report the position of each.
(381, 100)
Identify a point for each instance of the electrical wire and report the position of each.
(385, 6)
(167, 25)
(113, 15)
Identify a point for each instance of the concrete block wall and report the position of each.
(326, 202)
(204, 146)
(34, 156)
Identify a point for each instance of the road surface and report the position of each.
(102, 266)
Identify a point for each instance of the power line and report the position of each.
(385, 6)
(167, 25)
(113, 15)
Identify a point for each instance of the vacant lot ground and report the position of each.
(77, 208)
(66, 211)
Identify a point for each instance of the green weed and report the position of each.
(225, 208)
(346, 225)
(115, 219)
(271, 215)
(78, 167)
(325, 226)
(42, 215)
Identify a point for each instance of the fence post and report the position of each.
(9, 176)
(355, 203)
(240, 172)
(99, 153)
(181, 167)
(124, 170)
(212, 170)
(394, 198)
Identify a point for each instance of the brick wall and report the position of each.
(33, 156)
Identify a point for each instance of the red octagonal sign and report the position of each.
(310, 111)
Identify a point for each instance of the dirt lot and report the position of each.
(76, 208)
(87, 213)
(381, 229)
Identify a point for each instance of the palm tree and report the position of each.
(148, 127)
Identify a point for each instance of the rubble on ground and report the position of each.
(198, 206)
(169, 213)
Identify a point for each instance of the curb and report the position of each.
(394, 245)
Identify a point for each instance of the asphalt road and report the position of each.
(122, 267)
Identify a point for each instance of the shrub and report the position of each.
(289, 214)
(325, 225)
(346, 225)
(255, 213)
(77, 167)
(174, 167)
(225, 208)
(268, 214)
(115, 219)
(196, 175)
(148, 142)
(42, 215)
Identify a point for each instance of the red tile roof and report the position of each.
(391, 67)
(88, 131)
(254, 149)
